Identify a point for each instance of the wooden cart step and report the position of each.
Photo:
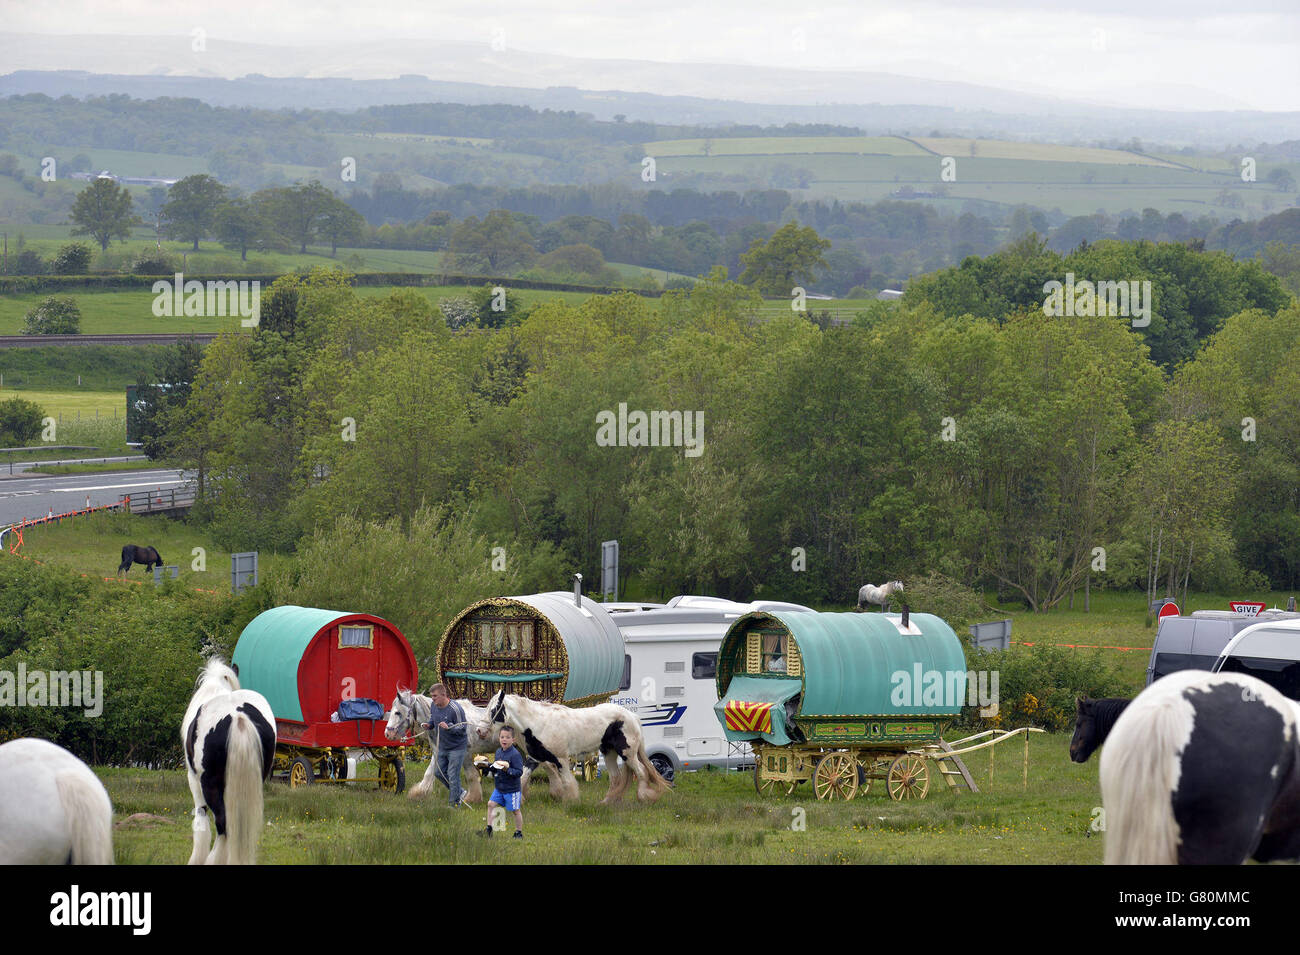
(958, 769)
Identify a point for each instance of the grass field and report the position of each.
(709, 818)
(93, 545)
(784, 146)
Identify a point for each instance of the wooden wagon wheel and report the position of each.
(909, 778)
(836, 776)
(301, 772)
(392, 775)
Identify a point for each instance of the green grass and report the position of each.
(94, 467)
(709, 818)
(784, 146)
(93, 544)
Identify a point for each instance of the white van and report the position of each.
(669, 679)
(1269, 651)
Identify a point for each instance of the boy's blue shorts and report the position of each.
(508, 800)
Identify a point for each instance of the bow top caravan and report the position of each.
(557, 647)
(839, 677)
(307, 661)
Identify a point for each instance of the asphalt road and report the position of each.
(35, 496)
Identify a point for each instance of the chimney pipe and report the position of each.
(906, 613)
(577, 590)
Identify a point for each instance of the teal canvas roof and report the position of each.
(270, 649)
(858, 664)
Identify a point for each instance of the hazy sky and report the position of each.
(1191, 53)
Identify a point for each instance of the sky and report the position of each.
(1159, 53)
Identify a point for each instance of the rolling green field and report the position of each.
(785, 146)
(92, 545)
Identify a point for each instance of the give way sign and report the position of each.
(1249, 608)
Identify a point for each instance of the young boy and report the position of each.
(508, 767)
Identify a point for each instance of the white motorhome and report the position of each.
(1269, 651)
(669, 679)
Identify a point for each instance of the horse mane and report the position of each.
(1106, 712)
(216, 669)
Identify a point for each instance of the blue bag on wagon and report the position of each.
(361, 708)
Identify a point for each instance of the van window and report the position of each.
(627, 673)
(704, 666)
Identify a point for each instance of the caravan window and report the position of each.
(704, 666)
(626, 682)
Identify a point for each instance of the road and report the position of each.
(28, 497)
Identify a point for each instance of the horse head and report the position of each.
(1086, 738)
(401, 714)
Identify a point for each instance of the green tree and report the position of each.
(103, 211)
(240, 225)
(792, 257)
(53, 316)
(496, 245)
(20, 422)
(190, 211)
(295, 211)
(71, 259)
(340, 224)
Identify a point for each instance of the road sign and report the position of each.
(1170, 609)
(1248, 608)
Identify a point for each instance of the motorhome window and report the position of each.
(704, 666)
(626, 682)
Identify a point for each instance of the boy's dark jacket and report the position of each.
(508, 779)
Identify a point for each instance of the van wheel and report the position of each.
(663, 766)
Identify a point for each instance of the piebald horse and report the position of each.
(1093, 721)
(407, 716)
(1203, 769)
(229, 740)
(555, 735)
(53, 809)
(871, 594)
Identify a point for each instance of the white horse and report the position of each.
(407, 716)
(871, 594)
(53, 809)
(555, 735)
(229, 740)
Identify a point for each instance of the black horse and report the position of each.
(135, 554)
(1092, 724)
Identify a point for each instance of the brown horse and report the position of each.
(135, 554)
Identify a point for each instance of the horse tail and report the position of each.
(245, 764)
(90, 818)
(1139, 772)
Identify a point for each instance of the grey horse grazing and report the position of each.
(871, 594)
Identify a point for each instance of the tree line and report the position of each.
(1031, 454)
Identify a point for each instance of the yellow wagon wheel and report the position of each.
(909, 778)
(301, 772)
(589, 770)
(392, 775)
(836, 776)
